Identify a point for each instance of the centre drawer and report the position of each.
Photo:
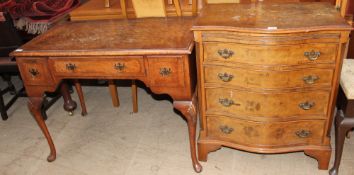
(269, 104)
(102, 66)
(270, 54)
(268, 79)
(302, 132)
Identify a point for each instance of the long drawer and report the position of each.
(271, 54)
(303, 132)
(249, 78)
(272, 104)
(107, 66)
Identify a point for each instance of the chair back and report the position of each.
(149, 8)
(9, 38)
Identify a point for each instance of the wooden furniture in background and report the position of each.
(344, 121)
(346, 8)
(107, 3)
(8, 67)
(9, 41)
(157, 53)
(95, 9)
(265, 85)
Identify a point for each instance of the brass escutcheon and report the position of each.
(226, 130)
(303, 133)
(313, 55)
(225, 77)
(307, 105)
(70, 66)
(119, 66)
(311, 79)
(227, 102)
(33, 72)
(225, 53)
(165, 71)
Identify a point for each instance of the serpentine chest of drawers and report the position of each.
(268, 77)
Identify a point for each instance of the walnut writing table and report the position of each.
(154, 50)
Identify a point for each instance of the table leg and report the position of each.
(343, 125)
(69, 103)
(188, 109)
(3, 111)
(35, 106)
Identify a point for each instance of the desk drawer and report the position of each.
(247, 78)
(103, 66)
(34, 71)
(268, 104)
(243, 132)
(167, 71)
(270, 55)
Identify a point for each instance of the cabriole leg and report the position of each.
(35, 106)
(188, 109)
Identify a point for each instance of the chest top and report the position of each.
(114, 37)
(270, 17)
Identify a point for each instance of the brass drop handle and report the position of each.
(307, 105)
(226, 130)
(313, 55)
(33, 72)
(303, 133)
(311, 79)
(165, 71)
(119, 66)
(225, 53)
(225, 77)
(227, 102)
(70, 66)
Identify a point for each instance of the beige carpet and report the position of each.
(114, 141)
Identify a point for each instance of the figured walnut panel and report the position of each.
(270, 17)
(35, 71)
(272, 104)
(114, 37)
(267, 79)
(258, 134)
(269, 55)
(166, 71)
(103, 66)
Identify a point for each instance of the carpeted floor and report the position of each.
(114, 141)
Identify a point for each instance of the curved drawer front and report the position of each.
(305, 132)
(268, 79)
(110, 66)
(270, 55)
(274, 104)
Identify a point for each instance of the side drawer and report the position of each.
(166, 71)
(102, 66)
(270, 55)
(34, 71)
(303, 132)
(272, 104)
(268, 79)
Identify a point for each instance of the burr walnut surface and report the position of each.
(270, 17)
(112, 37)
